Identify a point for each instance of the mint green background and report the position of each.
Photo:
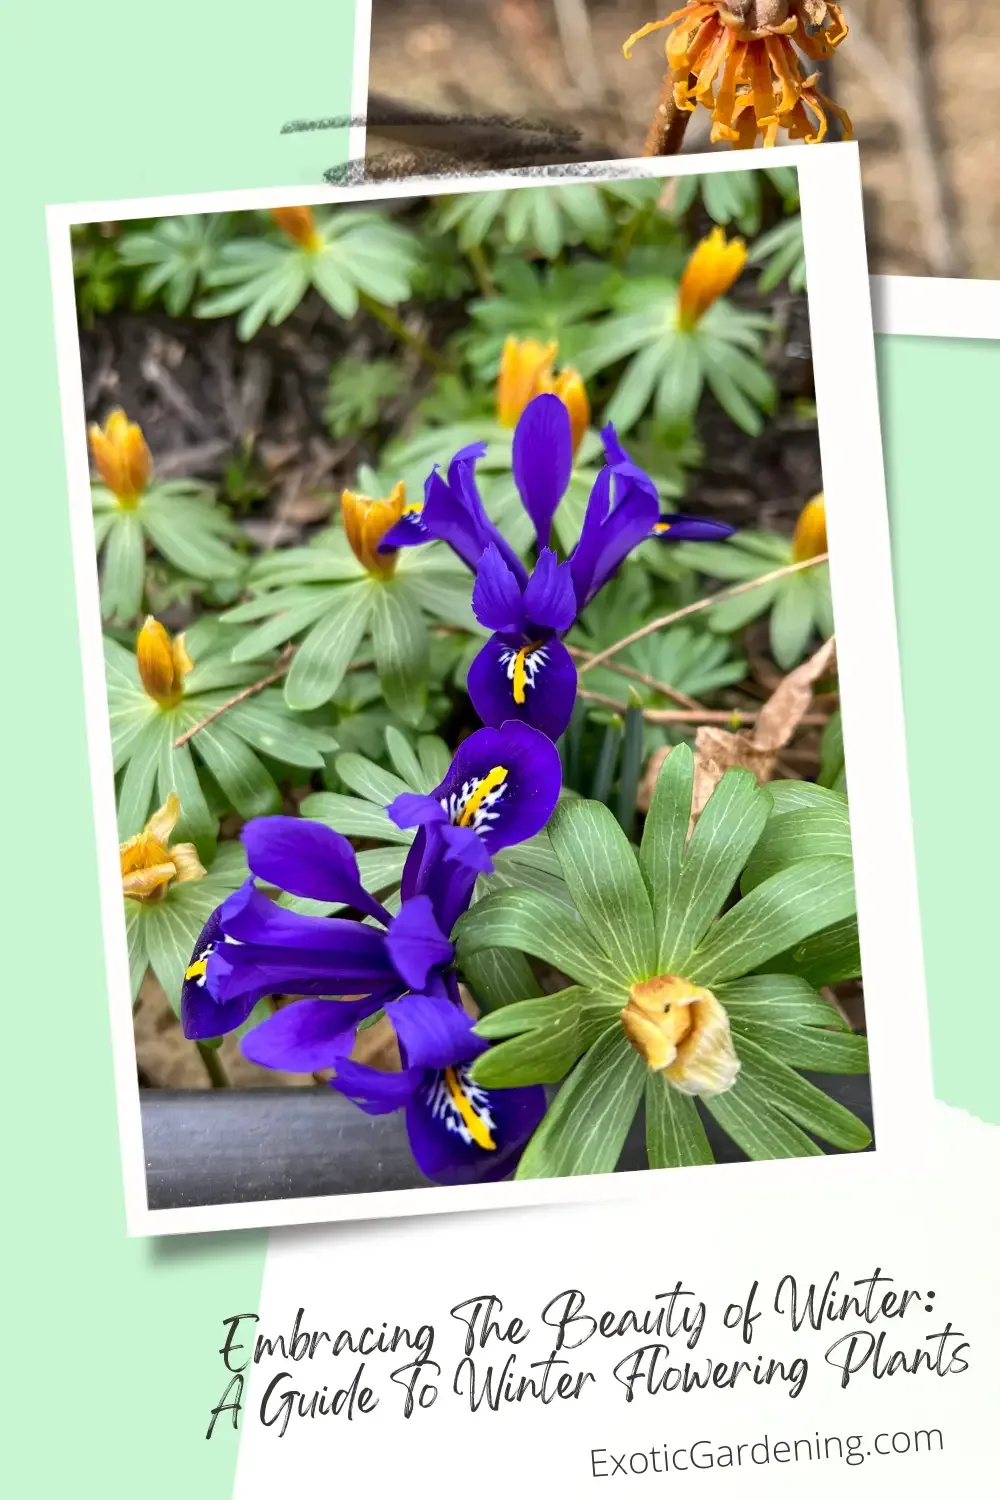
(112, 1343)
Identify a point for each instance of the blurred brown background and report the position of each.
(920, 79)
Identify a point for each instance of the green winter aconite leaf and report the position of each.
(807, 1105)
(781, 911)
(805, 833)
(402, 651)
(499, 978)
(666, 829)
(325, 653)
(749, 1117)
(729, 826)
(534, 923)
(543, 1055)
(600, 869)
(675, 1136)
(586, 1126)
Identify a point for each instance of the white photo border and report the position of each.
(885, 871)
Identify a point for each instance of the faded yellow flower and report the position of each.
(747, 62)
(122, 457)
(714, 265)
(366, 522)
(683, 1032)
(300, 226)
(163, 663)
(809, 539)
(149, 865)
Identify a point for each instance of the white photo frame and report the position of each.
(851, 450)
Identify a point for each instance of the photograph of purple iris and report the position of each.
(459, 800)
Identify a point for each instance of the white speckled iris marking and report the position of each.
(523, 667)
(462, 1107)
(476, 805)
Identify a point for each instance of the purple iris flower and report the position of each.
(524, 671)
(501, 789)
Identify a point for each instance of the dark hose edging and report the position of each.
(257, 1145)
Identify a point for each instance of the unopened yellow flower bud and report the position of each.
(366, 522)
(714, 265)
(149, 865)
(299, 225)
(569, 387)
(163, 663)
(524, 364)
(122, 458)
(809, 539)
(682, 1031)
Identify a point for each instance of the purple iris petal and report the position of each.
(250, 917)
(249, 969)
(202, 1015)
(375, 1092)
(307, 859)
(496, 595)
(610, 532)
(306, 1035)
(409, 531)
(413, 809)
(465, 847)
(460, 1132)
(415, 943)
(433, 1033)
(449, 885)
(519, 805)
(542, 461)
(548, 691)
(628, 474)
(549, 599)
(454, 513)
(677, 528)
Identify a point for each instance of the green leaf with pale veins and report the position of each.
(807, 1105)
(776, 1000)
(354, 817)
(369, 779)
(544, 1055)
(675, 1136)
(600, 869)
(749, 1117)
(808, 1047)
(402, 651)
(729, 826)
(124, 568)
(547, 929)
(806, 833)
(781, 911)
(665, 833)
(499, 978)
(531, 1012)
(326, 652)
(585, 1128)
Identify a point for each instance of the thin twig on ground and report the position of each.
(699, 604)
(279, 670)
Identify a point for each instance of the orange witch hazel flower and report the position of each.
(743, 60)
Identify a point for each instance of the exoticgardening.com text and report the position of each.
(704, 1454)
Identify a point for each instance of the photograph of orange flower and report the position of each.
(508, 83)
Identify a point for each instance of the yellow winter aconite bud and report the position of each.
(366, 522)
(300, 226)
(524, 363)
(714, 265)
(809, 539)
(123, 460)
(163, 663)
(569, 387)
